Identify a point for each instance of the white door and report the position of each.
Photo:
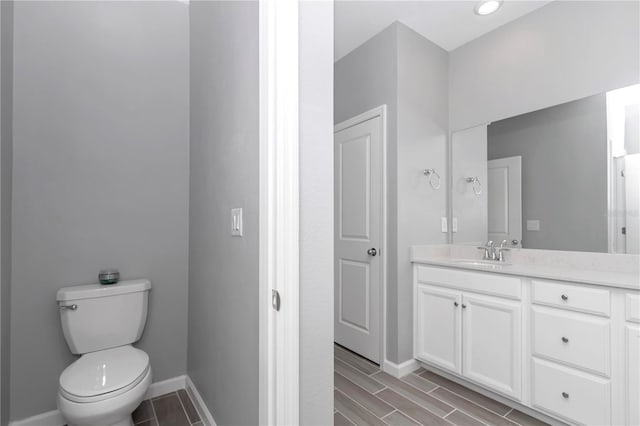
(358, 194)
(437, 327)
(632, 204)
(504, 192)
(492, 342)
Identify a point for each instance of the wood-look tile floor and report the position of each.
(172, 409)
(365, 395)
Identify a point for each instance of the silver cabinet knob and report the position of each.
(565, 395)
(372, 252)
(515, 242)
(455, 304)
(564, 297)
(464, 306)
(565, 339)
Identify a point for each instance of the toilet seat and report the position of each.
(101, 375)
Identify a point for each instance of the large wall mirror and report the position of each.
(565, 177)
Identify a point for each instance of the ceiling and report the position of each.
(449, 24)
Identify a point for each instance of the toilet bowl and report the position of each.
(111, 377)
(104, 387)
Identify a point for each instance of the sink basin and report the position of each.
(491, 264)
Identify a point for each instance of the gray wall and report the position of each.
(422, 143)
(316, 212)
(400, 68)
(364, 79)
(564, 51)
(100, 175)
(469, 158)
(632, 129)
(564, 172)
(223, 270)
(6, 161)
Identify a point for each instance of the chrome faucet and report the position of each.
(499, 251)
(491, 252)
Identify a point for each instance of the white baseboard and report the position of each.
(204, 412)
(400, 370)
(50, 418)
(166, 386)
(54, 418)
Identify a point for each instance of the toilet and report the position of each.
(111, 377)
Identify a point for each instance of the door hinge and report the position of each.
(275, 300)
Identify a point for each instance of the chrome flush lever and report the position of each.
(68, 307)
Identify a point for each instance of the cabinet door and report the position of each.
(632, 376)
(437, 327)
(492, 343)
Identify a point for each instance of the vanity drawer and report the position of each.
(576, 339)
(574, 297)
(477, 282)
(632, 307)
(573, 395)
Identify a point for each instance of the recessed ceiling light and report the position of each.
(487, 7)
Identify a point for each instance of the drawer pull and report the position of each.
(564, 297)
(565, 395)
(565, 340)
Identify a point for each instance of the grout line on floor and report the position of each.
(362, 406)
(421, 390)
(463, 410)
(379, 390)
(184, 410)
(507, 413)
(153, 410)
(471, 401)
(387, 415)
(436, 388)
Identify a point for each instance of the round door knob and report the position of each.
(372, 252)
(564, 297)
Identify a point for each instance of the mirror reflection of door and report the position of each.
(504, 192)
(579, 178)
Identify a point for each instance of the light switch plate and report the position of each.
(443, 224)
(533, 225)
(236, 222)
(454, 225)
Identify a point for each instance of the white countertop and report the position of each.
(612, 270)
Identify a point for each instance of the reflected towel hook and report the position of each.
(431, 174)
(477, 186)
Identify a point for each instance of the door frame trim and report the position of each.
(278, 252)
(380, 111)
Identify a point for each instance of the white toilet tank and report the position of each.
(96, 317)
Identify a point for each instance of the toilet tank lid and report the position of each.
(91, 291)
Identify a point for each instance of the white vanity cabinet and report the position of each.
(571, 350)
(568, 350)
(632, 359)
(474, 335)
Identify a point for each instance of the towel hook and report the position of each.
(477, 186)
(431, 174)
